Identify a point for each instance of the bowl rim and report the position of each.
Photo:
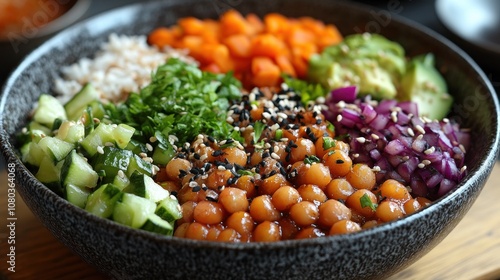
(484, 166)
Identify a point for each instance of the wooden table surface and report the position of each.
(470, 251)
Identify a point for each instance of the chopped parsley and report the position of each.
(328, 143)
(310, 159)
(367, 202)
(181, 100)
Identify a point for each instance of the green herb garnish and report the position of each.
(310, 159)
(181, 100)
(328, 143)
(307, 91)
(258, 128)
(367, 202)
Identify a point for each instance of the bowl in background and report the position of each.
(375, 253)
(20, 33)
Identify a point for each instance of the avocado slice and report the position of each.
(422, 83)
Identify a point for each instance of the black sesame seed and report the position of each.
(265, 155)
(196, 156)
(182, 173)
(196, 189)
(211, 139)
(339, 161)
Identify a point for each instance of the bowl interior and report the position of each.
(475, 107)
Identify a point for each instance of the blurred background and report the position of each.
(47, 17)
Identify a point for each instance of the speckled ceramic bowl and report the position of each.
(124, 253)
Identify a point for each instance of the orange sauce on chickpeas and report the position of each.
(293, 181)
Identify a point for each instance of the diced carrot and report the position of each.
(275, 23)
(265, 72)
(238, 45)
(299, 35)
(161, 37)
(330, 36)
(255, 23)
(256, 50)
(285, 65)
(232, 22)
(192, 26)
(268, 45)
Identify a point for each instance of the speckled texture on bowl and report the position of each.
(124, 253)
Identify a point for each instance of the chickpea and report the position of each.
(218, 178)
(411, 206)
(208, 212)
(370, 224)
(247, 184)
(187, 193)
(338, 162)
(196, 231)
(266, 232)
(423, 201)
(174, 167)
(316, 173)
(394, 190)
(233, 200)
(234, 155)
(332, 211)
(303, 148)
(288, 228)
(344, 226)
(229, 235)
(180, 231)
(284, 197)
(354, 202)
(304, 213)
(309, 232)
(242, 222)
(339, 188)
(312, 193)
(270, 184)
(361, 176)
(268, 165)
(213, 233)
(389, 210)
(262, 209)
(187, 210)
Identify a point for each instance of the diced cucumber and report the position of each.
(34, 155)
(136, 147)
(169, 209)
(101, 135)
(49, 174)
(49, 109)
(97, 109)
(163, 154)
(76, 195)
(121, 182)
(102, 201)
(111, 161)
(158, 225)
(122, 135)
(75, 106)
(33, 126)
(77, 171)
(87, 119)
(55, 148)
(71, 132)
(140, 165)
(144, 186)
(132, 210)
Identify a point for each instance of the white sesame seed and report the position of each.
(143, 155)
(426, 161)
(355, 155)
(420, 129)
(339, 118)
(421, 165)
(149, 147)
(341, 104)
(462, 170)
(148, 159)
(430, 150)
(100, 150)
(462, 148)
(230, 119)
(193, 184)
(410, 132)
(446, 120)
(266, 115)
(376, 168)
(394, 116)
(405, 158)
(361, 140)
(375, 136)
(275, 127)
(173, 197)
(109, 144)
(275, 156)
(121, 174)
(221, 167)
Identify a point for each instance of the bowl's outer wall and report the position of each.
(131, 254)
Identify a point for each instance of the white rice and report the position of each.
(123, 65)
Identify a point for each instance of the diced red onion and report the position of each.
(347, 94)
